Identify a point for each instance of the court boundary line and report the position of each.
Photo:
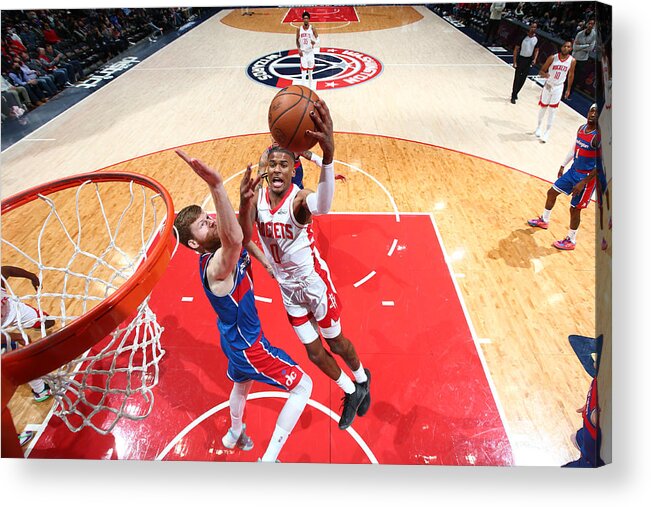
(263, 395)
(475, 339)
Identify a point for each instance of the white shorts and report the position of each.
(19, 315)
(307, 60)
(310, 302)
(551, 96)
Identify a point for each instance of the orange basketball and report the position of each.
(289, 117)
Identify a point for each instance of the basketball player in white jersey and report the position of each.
(556, 69)
(283, 214)
(306, 39)
(19, 315)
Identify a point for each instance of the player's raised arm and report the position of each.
(230, 235)
(318, 203)
(9, 271)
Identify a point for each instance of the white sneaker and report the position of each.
(538, 132)
(244, 442)
(545, 136)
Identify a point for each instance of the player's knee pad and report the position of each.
(332, 331)
(304, 387)
(306, 332)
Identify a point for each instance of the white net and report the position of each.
(83, 244)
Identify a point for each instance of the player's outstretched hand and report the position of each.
(248, 186)
(206, 173)
(324, 130)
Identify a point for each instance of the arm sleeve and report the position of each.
(569, 157)
(319, 202)
(317, 160)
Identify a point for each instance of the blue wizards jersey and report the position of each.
(586, 156)
(238, 321)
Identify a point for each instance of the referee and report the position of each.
(524, 56)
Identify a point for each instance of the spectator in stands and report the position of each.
(72, 66)
(58, 76)
(584, 44)
(17, 96)
(494, 20)
(41, 85)
(61, 73)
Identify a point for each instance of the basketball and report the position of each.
(289, 117)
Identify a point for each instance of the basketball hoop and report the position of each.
(99, 242)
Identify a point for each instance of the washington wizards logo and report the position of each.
(333, 68)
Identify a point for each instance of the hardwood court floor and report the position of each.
(523, 297)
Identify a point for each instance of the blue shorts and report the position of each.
(566, 183)
(264, 363)
(589, 448)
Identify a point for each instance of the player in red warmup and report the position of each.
(283, 215)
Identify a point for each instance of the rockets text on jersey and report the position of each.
(287, 244)
(558, 70)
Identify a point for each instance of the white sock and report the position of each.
(278, 439)
(303, 75)
(345, 383)
(237, 402)
(37, 385)
(360, 374)
(288, 417)
(572, 235)
(541, 115)
(550, 118)
(546, 215)
(309, 74)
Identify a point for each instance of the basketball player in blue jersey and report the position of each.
(579, 181)
(225, 270)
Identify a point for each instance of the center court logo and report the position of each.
(333, 68)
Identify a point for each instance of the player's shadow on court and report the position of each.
(520, 247)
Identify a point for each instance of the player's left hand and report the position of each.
(248, 186)
(567, 94)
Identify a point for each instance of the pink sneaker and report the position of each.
(538, 222)
(565, 244)
(604, 244)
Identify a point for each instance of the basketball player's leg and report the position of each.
(304, 66)
(543, 220)
(288, 417)
(273, 366)
(310, 69)
(236, 434)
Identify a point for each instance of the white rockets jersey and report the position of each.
(288, 245)
(305, 38)
(558, 70)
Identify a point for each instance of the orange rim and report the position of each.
(41, 357)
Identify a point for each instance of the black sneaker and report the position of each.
(366, 402)
(350, 404)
